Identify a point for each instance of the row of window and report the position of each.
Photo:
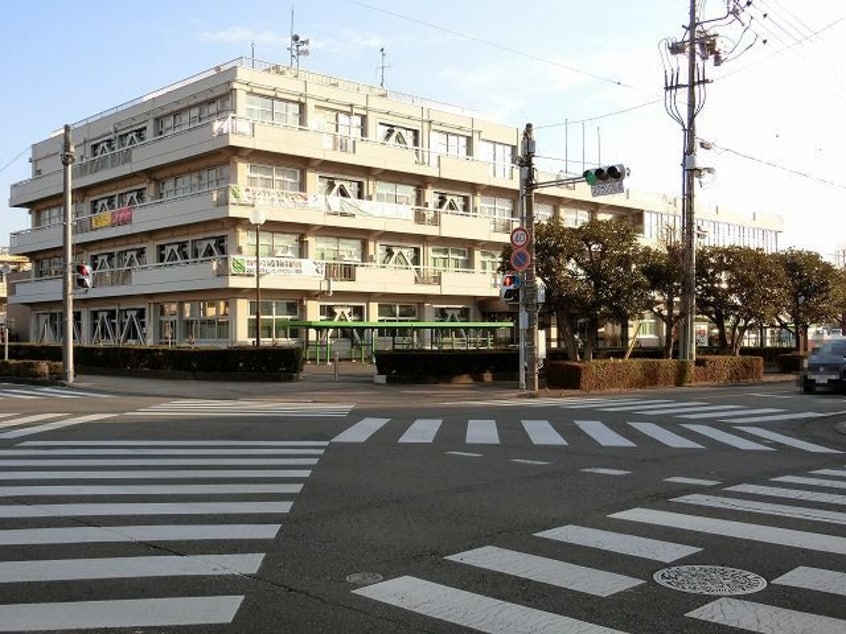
(208, 321)
(667, 227)
(280, 244)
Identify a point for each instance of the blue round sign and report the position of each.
(520, 259)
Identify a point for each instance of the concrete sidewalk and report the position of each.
(328, 383)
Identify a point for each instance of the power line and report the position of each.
(788, 170)
(599, 116)
(12, 162)
(502, 47)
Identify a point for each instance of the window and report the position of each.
(499, 155)
(574, 217)
(396, 193)
(173, 253)
(208, 248)
(399, 256)
(500, 210)
(49, 267)
(273, 110)
(206, 321)
(391, 134)
(48, 217)
(543, 212)
(396, 313)
(193, 182)
(342, 128)
(194, 115)
(275, 316)
(446, 201)
(132, 137)
(489, 261)
(274, 177)
(333, 249)
(451, 258)
(339, 187)
(275, 244)
(450, 144)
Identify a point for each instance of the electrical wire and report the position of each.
(14, 160)
(788, 170)
(503, 47)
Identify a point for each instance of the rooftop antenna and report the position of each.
(382, 68)
(299, 46)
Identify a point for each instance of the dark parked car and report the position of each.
(825, 367)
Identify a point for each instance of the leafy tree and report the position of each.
(736, 288)
(812, 293)
(662, 268)
(592, 273)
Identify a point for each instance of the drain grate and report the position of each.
(714, 580)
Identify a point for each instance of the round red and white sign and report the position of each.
(520, 237)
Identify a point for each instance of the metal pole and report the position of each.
(67, 282)
(258, 290)
(530, 285)
(687, 348)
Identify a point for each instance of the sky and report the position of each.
(588, 76)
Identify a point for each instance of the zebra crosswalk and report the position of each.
(562, 433)
(561, 558)
(244, 407)
(197, 496)
(16, 425)
(19, 391)
(686, 410)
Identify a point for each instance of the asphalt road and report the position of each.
(345, 507)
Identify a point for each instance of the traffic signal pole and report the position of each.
(529, 294)
(603, 181)
(67, 282)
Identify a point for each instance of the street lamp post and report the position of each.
(257, 219)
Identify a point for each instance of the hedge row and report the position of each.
(641, 373)
(247, 363)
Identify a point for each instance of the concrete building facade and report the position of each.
(353, 202)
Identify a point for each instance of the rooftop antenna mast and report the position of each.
(382, 68)
(298, 47)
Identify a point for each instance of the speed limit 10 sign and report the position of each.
(520, 237)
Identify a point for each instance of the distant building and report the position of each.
(376, 206)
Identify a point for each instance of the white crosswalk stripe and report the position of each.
(243, 407)
(20, 426)
(16, 391)
(206, 505)
(543, 433)
(691, 410)
(775, 614)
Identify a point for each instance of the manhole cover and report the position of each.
(717, 580)
(364, 578)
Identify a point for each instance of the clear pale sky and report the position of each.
(774, 113)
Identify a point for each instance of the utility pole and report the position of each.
(698, 43)
(67, 283)
(529, 291)
(687, 346)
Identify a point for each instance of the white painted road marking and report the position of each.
(561, 574)
(665, 437)
(766, 508)
(542, 433)
(423, 430)
(817, 579)
(129, 567)
(728, 439)
(737, 530)
(49, 617)
(765, 619)
(474, 611)
(361, 431)
(603, 434)
(151, 533)
(180, 508)
(787, 440)
(623, 543)
(482, 432)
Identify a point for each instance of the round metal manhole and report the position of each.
(364, 578)
(715, 580)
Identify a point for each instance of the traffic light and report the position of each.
(606, 174)
(510, 289)
(83, 275)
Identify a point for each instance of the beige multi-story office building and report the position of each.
(363, 205)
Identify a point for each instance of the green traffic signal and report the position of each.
(604, 174)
